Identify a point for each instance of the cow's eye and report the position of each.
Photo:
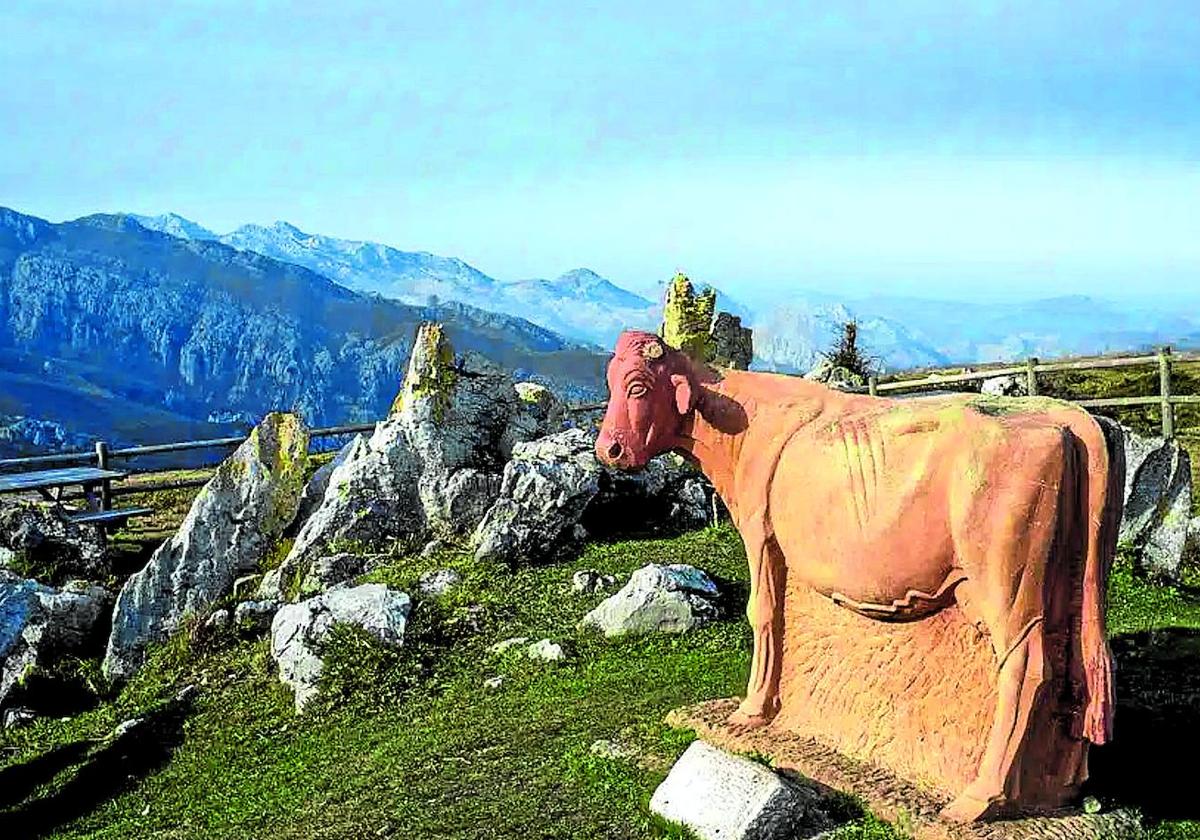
(637, 390)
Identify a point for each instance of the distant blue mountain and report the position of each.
(109, 328)
(791, 327)
(580, 304)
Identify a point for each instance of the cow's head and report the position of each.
(652, 389)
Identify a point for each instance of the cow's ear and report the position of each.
(685, 394)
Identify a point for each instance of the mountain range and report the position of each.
(112, 329)
(791, 328)
(140, 328)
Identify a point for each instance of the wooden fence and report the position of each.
(1163, 359)
(104, 457)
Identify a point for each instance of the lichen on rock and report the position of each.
(688, 317)
(232, 525)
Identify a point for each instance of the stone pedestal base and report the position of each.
(912, 807)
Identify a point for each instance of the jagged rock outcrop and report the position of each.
(1158, 503)
(555, 492)
(538, 413)
(431, 470)
(732, 344)
(665, 599)
(314, 491)
(37, 536)
(234, 521)
(299, 631)
(38, 624)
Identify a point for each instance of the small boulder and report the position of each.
(218, 620)
(254, 616)
(589, 581)
(667, 599)
(234, 521)
(720, 796)
(438, 582)
(1158, 501)
(494, 683)
(1004, 386)
(40, 537)
(299, 631)
(546, 651)
(39, 624)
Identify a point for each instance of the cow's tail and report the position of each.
(1106, 485)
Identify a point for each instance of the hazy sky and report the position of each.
(976, 150)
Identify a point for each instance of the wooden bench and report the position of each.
(117, 516)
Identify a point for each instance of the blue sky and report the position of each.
(980, 150)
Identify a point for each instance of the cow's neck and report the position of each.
(717, 430)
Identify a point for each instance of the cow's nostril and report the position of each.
(614, 450)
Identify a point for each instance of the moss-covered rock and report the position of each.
(232, 526)
(688, 318)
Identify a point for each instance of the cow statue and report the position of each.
(896, 509)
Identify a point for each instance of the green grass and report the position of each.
(409, 743)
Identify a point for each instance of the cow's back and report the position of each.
(867, 500)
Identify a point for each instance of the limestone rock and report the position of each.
(688, 318)
(18, 716)
(538, 413)
(217, 620)
(438, 582)
(431, 470)
(1158, 501)
(546, 651)
(254, 616)
(494, 683)
(314, 491)
(45, 539)
(38, 624)
(1004, 386)
(732, 344)
(835, 376)
(371, 499)
(668, 599)
(299, 631)
(720, 796)
(236, 518)
(332, 570)
(587, 581)
(546, 488)
(555, 493)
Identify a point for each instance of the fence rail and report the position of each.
(103, 457)
(1164, 359)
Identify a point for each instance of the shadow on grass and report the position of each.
(102, 771)
(1157, 726)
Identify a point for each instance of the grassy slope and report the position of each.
(411, 744)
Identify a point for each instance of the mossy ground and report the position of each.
(410, 743)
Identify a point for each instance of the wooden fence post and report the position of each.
(105, 486)
(873, 385)
(1031, 386)
(1164, 389)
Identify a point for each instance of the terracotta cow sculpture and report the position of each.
(898, 509)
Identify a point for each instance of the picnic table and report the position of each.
(50, 484)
